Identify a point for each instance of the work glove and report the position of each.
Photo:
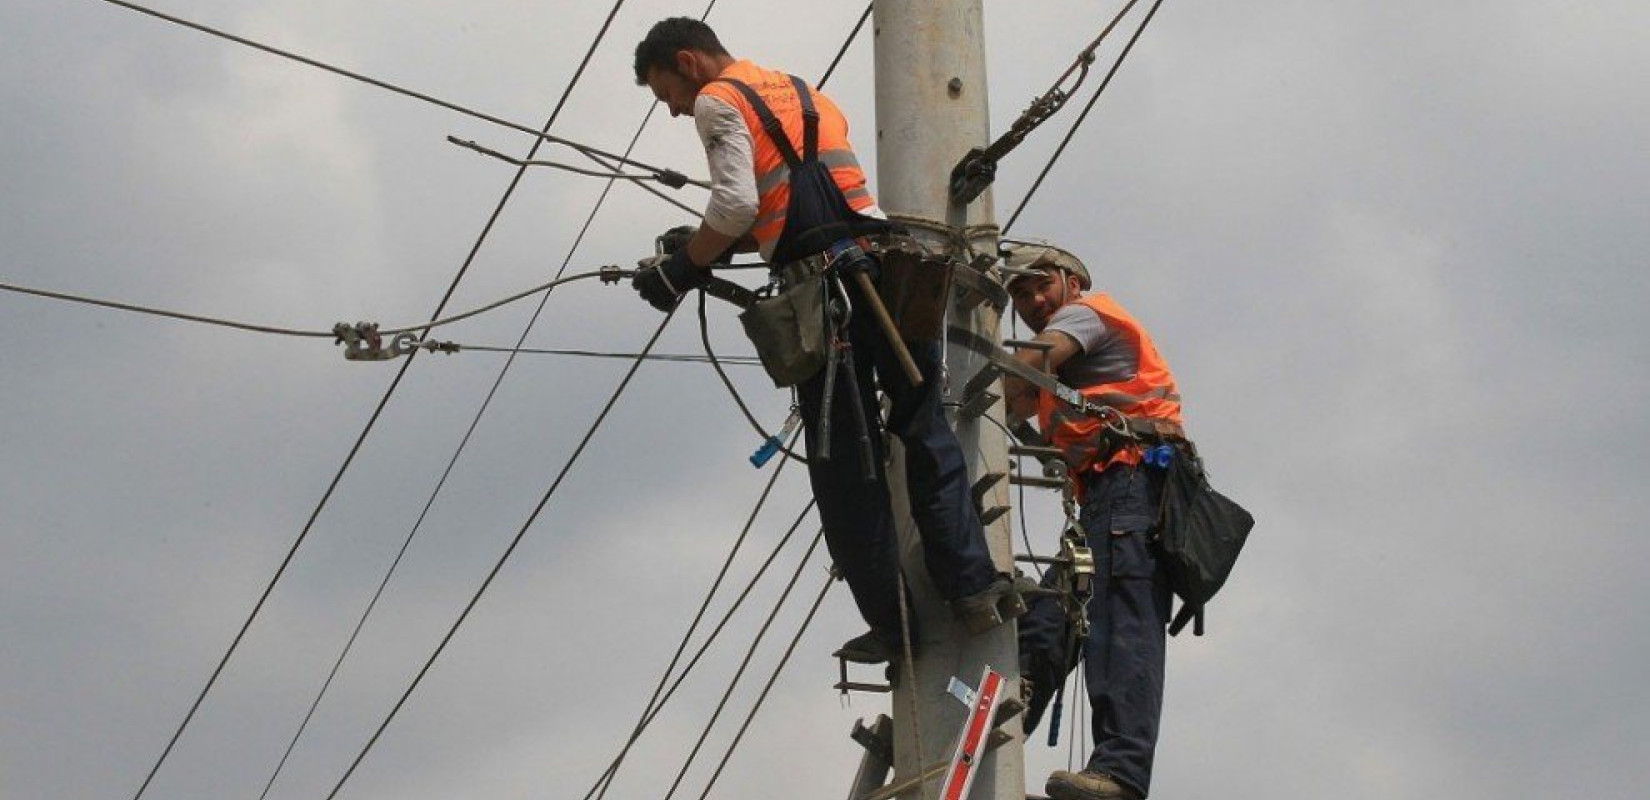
(662, 280)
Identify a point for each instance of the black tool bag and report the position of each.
(1199, 536)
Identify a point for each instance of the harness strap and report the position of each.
(776, 129)
(810, 120)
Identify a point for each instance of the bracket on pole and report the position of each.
(844, 686)
(878, 741)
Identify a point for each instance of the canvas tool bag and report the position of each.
(788, 329)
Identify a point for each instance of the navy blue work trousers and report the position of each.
(1123, 657)
(854, 509)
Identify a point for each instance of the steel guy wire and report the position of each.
(649, 708)
(744, 664)
(378, 410)
(1083, 116)
(599, 788)
(761, 698)
(541, 135)
(567, 467)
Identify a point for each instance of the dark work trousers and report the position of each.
(855, 512)
(1128, 616)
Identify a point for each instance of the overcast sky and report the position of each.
(1394, 251)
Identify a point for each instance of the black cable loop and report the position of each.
(738, 400)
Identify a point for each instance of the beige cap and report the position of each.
(1025, 256)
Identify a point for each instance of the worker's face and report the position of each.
(677, 88)
(1036, 298)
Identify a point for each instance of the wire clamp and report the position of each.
(611, 274)
(363, 342)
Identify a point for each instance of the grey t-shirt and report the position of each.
(1109, 354)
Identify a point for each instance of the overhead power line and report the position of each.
(377, 412)
(492, 392)
(309, 334)
(1078, 123)
(767, 687)
(681, 358)
(609, 160)
(656, 706)
(544, 501)
(744, 664)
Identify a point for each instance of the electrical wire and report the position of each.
(1083, 116)
(309, 334)
(178, 315)
(738, 400)
(763, 696)
(497, 567)
(681, 358)
(843, 50)
(540, 134)
(744, 664)
(623, 176)
(486, 404)
(372, 420)
(599, 788)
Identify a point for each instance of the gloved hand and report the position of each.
(662, 280)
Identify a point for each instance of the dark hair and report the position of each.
(668, 37)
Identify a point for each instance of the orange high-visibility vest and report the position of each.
(1151, 394)
(773, 186)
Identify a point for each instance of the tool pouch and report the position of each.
(788, 331)
(915, 287)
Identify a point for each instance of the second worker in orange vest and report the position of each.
(786, 182)
(1105, 353)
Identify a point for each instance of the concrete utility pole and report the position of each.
(931, 109)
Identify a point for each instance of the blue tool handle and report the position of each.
(766, 452)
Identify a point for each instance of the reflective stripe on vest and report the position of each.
(1150, 393)
(772, 175)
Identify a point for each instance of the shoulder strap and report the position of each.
(810, 119)
(770, 123)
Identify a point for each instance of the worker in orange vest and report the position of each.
(1098, 348)
(786, 183)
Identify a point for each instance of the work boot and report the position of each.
(995, 604)
(869, 647)
(1087, 785)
